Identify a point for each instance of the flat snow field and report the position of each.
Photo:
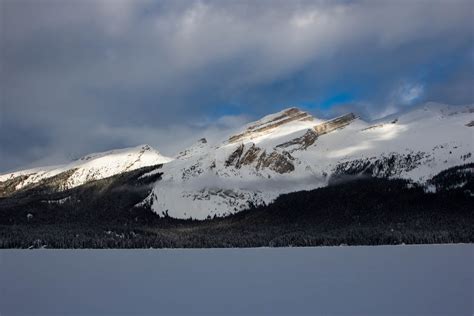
(384, 280)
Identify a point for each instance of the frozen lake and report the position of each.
(387, 280)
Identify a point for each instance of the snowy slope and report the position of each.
(290, 151)
(91, 167)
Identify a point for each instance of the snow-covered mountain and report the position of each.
(291, 151)
(88, 168)
(284, 152)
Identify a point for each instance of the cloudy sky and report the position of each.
(85, 76)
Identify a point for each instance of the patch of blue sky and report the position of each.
(327, 103)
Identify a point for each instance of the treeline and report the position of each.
(455, 177)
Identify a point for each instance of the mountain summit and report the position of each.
(270, 123)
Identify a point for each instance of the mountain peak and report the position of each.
(283, 116)
(197, 148)
(271, 122)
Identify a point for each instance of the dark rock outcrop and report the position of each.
(333, 124)
(250, 156)
(301, 142)
(234, 158)
(280, 162)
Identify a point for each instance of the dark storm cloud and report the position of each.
(82, 76)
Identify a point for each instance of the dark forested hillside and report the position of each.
(358, 211)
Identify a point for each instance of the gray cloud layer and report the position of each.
(82, 76)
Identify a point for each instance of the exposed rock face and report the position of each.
(276, 161)
(266, 126)
(234, 158)
(333, 124)
(250, 155)
(301, 143)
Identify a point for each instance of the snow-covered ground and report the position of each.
(383, 280)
